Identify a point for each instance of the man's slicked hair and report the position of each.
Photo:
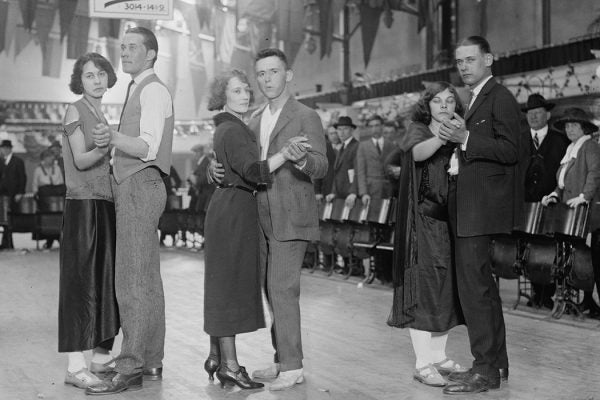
(272, 52)
(479, 41)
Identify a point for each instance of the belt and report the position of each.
(240, 187)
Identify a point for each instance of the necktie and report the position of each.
(471, 97)
(338, 160)
(125, 103)
(536, 140)
(378, 145)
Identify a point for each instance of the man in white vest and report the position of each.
(141, 155)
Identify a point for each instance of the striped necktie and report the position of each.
(536, 141)
(125, 103)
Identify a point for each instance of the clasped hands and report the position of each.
(102, 135)
(454, 130)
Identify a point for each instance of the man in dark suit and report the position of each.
(482, 202)
(344, 167)
(546, 147)
(12, 184)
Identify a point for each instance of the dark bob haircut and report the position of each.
(478, 41)
(422, 112)
(149, 39)
(217, 97)
(100, 62)
(272, 52)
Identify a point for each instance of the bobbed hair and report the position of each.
(422, 111)
(272, 52)
(100, 62)
(218, 89)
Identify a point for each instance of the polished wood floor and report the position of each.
(350, 353)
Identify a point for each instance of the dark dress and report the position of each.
(232, 287)
(88, 315)
(425, 292)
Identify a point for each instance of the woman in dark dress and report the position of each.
(425, 294)
(232, 287)
(88, 317)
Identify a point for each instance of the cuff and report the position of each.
(463, 146)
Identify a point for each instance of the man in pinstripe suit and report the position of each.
(482, 202)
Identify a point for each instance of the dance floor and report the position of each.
(350, 353)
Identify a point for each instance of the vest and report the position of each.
(125, 165)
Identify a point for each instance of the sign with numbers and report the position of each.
(132, 9)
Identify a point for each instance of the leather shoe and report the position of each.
(119, 383)
(271, 372)
(153, 374)
(476, 383)
(461, 376)
(287, 379)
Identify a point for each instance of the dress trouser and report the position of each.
(139, 202)
(479, 298)
(281, 262)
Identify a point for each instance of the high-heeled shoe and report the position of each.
(239, 378)
(211, 366)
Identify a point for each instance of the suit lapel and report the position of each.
(284, 118)
(483, 93)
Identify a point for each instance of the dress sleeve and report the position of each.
(70, 128)
(242, 155)
(416, 133)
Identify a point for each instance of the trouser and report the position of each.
(139, 202)
(281, 262)
(479, 298)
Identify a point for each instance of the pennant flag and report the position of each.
(3, 25)
(66, 12)
(44, 19)
(225, 35)
(12, 19)
(369, 24)
(208, 55)
(199, 82)
(109, 27)
(423, 14)
(326, 26)
(113, 50)
(290, 27)
(22, 39)
(77, 40)
(204, 13)
(28, 8)
(52, 54)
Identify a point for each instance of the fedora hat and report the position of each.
(6, 143)
(344, 121)
(575, 114)
(536, 100)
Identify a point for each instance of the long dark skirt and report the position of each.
(87, 309)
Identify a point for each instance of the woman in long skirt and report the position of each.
(88, 317)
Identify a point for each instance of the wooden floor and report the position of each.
(350, 353)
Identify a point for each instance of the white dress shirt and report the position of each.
(378, 143)
(268, 120)
(541, 134)
(7, 159)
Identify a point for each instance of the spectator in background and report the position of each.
(56, 149)
(201, 188)
(578, 182)
(545, 147)
(172, 181)
(323, 185)
(12, 184)
(343, 168)
(48, 183)
(334, 138)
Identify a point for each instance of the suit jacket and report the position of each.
(291, 195)
(370, 174)
(12, 177)
(323, 185)
(489, 189)
(583, 173)
(543, 163)
(345, 162)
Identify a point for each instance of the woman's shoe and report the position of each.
(82, 378)
(430, 376)
(239, 378)
(211, 366)
(448, 366)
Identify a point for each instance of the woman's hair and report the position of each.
(100, 62)
(217, 97)
(422, 112)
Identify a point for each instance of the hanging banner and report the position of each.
(132, 9)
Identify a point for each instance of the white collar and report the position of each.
(347, 141)
(143, 75)
(479, 86)
(573, 149)
(7, 159)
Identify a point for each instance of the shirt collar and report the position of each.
(146, 73)
(479, 86)
(540, 132)
(8, 157)
(347, 141)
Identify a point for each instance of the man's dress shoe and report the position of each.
(153, 374)
(119, 383)
(475, 383)
(461, 376)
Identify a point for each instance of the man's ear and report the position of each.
(289, 74)
(489, 59)
(150, 55)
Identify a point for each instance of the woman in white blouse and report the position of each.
(48, 173)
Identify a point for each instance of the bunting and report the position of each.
(77, 41)
(113, 51)
(12, 19)
(225, 27)
(44, 20)
(52, 54)
(28, 8)
(22, 39)
(290, 27)
(369, 24)
(66, 12)
(3, 24)
(204, 13)
(326, 26)
(422, 14)
(109, 28)
(199, 82)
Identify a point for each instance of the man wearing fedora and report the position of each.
(344, 182)
(545, 148)
(12, 184)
